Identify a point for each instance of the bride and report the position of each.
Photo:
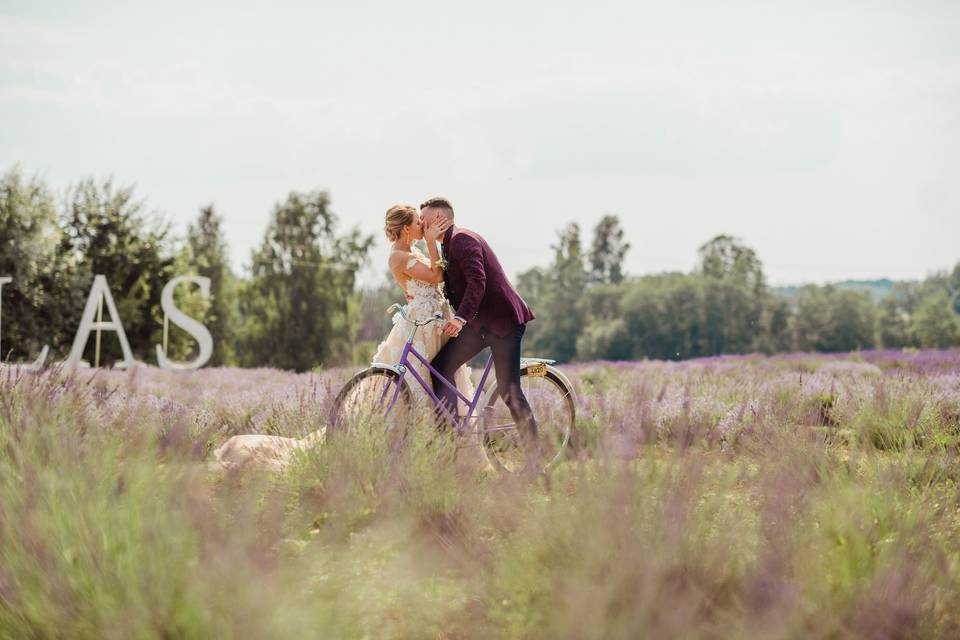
(420, 277)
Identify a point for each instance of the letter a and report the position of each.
(88, 324)
(188, 324)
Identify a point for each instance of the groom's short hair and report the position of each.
(439, 203)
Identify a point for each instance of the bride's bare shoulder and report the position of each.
(405, 259)
(398, 263)
(399, 258)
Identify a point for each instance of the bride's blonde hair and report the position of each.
(398, 216)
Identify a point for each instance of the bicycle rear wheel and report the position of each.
(375, 398)
(554, 411)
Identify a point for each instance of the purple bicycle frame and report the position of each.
(404, 368)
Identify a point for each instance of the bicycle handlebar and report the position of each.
(420, 323)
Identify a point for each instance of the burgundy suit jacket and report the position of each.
(477, 287)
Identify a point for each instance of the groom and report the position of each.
(490, 313)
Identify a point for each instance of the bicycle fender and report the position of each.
(556, 372)
(383, 365)
(565, 380)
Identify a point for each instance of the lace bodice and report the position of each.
(427, 298)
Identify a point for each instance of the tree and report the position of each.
(726, 257)
(935, 324)
(773, 334)
(664, 316)
(531, 284)
(732, 315)
(605, 335)
(955, 287)
(208, 257)
(608, 251)
(560, 317)
(893, 317)
(300, 306)
(736, 300)
(830, 319)
(106, 232)
(28, 243)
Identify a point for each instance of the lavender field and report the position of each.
(735, 497)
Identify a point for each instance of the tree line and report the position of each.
(298, 306)
(588, 309)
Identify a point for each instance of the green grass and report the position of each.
(703, 501)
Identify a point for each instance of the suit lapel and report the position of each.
(444, 248)
(445, 241)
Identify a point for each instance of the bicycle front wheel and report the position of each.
(554, 411)
(375, 398)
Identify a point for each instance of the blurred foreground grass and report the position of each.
(797, 496)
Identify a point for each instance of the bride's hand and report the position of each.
(435, 231)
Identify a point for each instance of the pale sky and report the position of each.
(826, 134)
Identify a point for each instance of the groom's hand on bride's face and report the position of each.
(435, 230)
(453, 327)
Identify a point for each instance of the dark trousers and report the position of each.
(506, 363)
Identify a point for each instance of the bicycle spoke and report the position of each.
(371, 400)
(508, 448)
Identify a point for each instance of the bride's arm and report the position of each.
(434, 254)
(416, 269)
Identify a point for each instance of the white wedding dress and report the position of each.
(427, 300)
(260, 451)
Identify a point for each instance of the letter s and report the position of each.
(188, 324)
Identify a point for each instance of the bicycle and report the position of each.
(381, 394)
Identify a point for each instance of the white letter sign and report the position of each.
(99, 291)
(188, 324)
